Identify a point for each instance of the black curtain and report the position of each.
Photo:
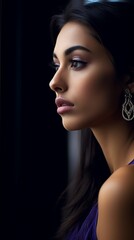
(34, 143)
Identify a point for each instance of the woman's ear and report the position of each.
(130, 82)
(131, 87)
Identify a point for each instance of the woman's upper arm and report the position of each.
(116, 207)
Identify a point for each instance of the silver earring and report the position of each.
(128, 107)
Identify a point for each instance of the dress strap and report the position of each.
(132, 162)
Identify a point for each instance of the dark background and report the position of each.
(34, 143)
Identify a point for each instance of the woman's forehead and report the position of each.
(76, 34)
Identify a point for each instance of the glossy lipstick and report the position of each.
(63, 106)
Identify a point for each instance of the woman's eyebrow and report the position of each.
(71, 49)
(77, 47)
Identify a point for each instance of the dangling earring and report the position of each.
(128, 107)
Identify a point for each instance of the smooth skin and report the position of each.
(86, 77)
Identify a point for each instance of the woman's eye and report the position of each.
(55, 66)
(77, 64)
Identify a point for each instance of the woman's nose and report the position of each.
(57, 84)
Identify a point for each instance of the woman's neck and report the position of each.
(117, 142)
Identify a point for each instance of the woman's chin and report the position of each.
(70, 126)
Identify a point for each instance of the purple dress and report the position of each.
(87, 231)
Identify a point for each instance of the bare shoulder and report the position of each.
(120, 182)
(116, 206)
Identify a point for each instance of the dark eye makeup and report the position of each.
(54, 66)
(75, 64)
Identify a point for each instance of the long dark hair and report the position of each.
(113, 23)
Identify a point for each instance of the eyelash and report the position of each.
(54, 66)
(73, 63)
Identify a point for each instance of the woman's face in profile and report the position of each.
(85, 80)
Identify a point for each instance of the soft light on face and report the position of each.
(85, 77)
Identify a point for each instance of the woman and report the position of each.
(94, 86)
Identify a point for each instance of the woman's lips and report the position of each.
(63, 105)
